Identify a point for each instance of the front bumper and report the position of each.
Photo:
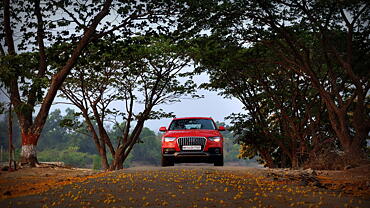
(193, 157)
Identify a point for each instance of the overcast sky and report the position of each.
(212, 105)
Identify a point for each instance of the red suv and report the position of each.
(192, 139)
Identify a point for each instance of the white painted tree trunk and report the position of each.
(28, 151)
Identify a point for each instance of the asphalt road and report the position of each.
(188, 186)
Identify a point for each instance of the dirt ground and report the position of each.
(27, 181)
(185, 186)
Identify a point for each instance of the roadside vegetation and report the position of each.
(63, 144)
(301, 71)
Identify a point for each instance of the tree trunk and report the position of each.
(120, 164)
(124, 150)
(120, 157)
(103, 156)
(265, 154)
(352, 145)
(283, 161)
(295, 163)
(293, 148)
(29, 143)
(354, 153)
(117, 162)
(10, 134)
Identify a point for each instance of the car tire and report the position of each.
(219, 161)
(167, 162)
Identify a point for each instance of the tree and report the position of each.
(330, 67)
(142, 73)
(92, 88)
(23, 73)
(27, 63)
(284, 113)
(323, 42)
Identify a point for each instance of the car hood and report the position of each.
(190, 133)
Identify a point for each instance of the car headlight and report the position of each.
(169, 139)
(215, 139)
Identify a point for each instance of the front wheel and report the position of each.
(219, 161)
(167, 162)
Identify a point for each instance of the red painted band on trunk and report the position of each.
(29, 139)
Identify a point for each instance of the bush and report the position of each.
(71, 156)
(96, 162)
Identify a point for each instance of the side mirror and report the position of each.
(221, 128)
(163, 129)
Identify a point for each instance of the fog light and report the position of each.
(214, 150)
(168, 150)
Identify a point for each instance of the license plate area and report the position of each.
(192, 147)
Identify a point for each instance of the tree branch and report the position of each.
(59, 78)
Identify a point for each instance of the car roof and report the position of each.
(209, 118)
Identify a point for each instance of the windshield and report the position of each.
(184, 124)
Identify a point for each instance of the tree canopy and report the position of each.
(300, 69)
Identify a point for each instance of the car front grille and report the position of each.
(190, 141)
